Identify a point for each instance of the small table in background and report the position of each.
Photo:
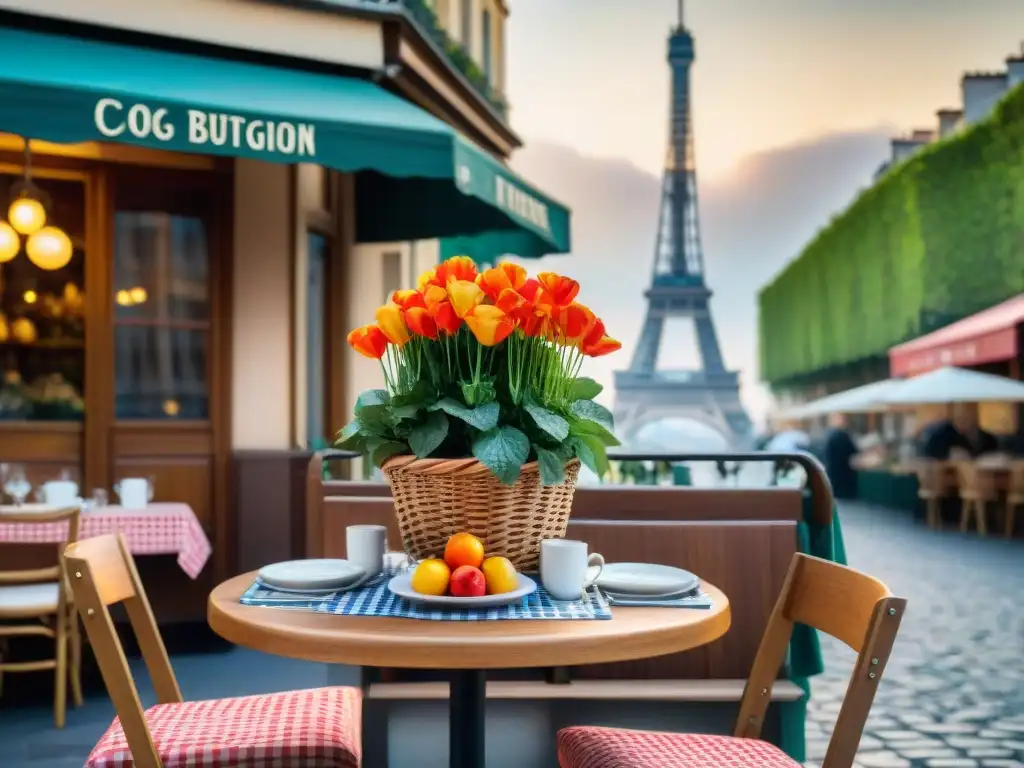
(162, 528)
(468, 648)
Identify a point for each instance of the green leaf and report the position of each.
(586, 428)
(477, 393)
(376, 420)
(584, 389)
(503, 450)
(428, 436)
(550, 422)
(591, 411)
(371, 397)
(351, 438)
(404, 412)
(590, 451)
(384, 451)
(552, 468)
(484, 417)
(419, 394)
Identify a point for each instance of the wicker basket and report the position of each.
(435, 498)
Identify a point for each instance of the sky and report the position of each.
(591, 73)
(793, 101)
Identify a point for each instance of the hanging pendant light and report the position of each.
(27, 213)
(10, 243)
(49, 248)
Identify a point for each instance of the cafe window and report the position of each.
(467, 25)
(391, 269)
(42, 312)
(318, 254)
(161, 315)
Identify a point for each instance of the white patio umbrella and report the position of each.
(955, 385)
(789, 441)
(862, 399)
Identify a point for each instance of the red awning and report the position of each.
(987, 337)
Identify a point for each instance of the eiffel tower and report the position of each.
(711, 395)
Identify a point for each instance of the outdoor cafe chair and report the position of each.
(37, 602)
(297, 728)
(851, 606)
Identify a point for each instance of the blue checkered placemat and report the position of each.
(378, 600)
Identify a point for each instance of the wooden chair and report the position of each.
(978, 488)
(931, 489)
(42, 595)
(297, 728)
(840, 601)
(1014, 496)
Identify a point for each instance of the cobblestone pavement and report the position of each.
(953, 692)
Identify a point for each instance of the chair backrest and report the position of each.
(1017, 480)
(976, 482)
(103, 573)
(55, 516)
(852, 607)
(931, 478)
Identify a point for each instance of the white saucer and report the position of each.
(316, 592)
(674, 595)
(401, 585)
(645, 579)
(306, 575)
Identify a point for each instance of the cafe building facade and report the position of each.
(226, 188)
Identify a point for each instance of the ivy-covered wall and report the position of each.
(939, 237)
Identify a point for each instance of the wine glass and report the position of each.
(17, 485)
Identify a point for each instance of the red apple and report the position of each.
(468, 581)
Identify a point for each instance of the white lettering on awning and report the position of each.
(521, 203)
(219, 129)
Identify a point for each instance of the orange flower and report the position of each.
(562, 289)
(597, 344)
(391, 320)
(368, 341)
(509, 300)
(456, 268)
(464, 295)
(420, 322)
(501, 278)
(434, 295)
(445, 318)
(408, 299)
(537, 296)
(574, 323)
(489, 324)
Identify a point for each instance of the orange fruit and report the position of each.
(464, 549)
(500, 575)
(431, 577)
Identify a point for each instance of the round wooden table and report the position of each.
(469, 648)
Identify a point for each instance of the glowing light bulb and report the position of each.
(49, 248)
(124, 298)
(27, 215)
(138, 295)
(30, 296)
(10, 243)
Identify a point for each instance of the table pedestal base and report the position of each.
(467, 718)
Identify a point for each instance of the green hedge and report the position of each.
(939, 237)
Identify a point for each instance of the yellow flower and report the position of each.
(489, 324)
(464, 295)
(391, 320)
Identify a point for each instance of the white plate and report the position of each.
(647, 579)
(674, 595)
(316, 592)
(401, 585)
(304, 575)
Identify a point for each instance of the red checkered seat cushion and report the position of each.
(297, 729)
(589, 747)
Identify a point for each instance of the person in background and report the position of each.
(962, 434)
(838, 449)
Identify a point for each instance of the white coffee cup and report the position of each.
(60, 492)
(134, 492)
(564, 566)
(365, 546)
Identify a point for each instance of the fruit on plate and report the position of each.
(464, 549)
(468, 581)
(500, 575)
(431, 577)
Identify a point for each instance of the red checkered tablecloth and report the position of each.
(163, 528)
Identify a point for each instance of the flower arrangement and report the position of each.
(485, 364)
